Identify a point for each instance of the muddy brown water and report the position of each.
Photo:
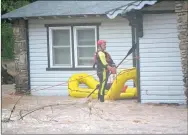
(122, 117)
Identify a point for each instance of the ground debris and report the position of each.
(6, 120)
(136, 121)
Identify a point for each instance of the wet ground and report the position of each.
(63, 115)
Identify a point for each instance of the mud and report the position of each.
(72, 116)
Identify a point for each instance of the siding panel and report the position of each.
(161, 83)
(159, 31)
(161, 64)
(159, 69)
(159, 74)
(164, 59)
(161, 89)
(165, 93)
(117, 32)
(160, 61)
(183, 101)
(165, 78)
(164, 97)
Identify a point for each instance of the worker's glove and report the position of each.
(112, 69)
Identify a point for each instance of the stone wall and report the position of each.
(181, 9)
(20, 52)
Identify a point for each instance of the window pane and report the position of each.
(86, 51)
(85, 56)
(61, 37)
(61, 56)
(85, 62)
(86, 37)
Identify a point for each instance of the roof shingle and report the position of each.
(62, 8)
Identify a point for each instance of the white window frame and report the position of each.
(51, 50)
(75, 44)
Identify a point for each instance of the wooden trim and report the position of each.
(98, 32)
(48, 48)
(73, 45)
(158, 12)
(72, 24)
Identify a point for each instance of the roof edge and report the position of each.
(66, 16)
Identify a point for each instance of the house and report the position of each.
(56, 39)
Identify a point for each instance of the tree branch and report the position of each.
(36, 109)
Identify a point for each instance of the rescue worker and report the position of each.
(105, 65)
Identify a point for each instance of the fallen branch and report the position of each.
(14, 107)
(20, 114)
(36, 109)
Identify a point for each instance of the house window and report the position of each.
(60, 47)
(72, 47)
(84, 45)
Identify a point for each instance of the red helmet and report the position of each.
(100, 42)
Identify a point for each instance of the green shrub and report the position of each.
(7, 41)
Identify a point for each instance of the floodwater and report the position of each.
(65, 115)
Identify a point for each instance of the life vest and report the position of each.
(108, 59)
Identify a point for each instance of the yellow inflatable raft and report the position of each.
(115, 91)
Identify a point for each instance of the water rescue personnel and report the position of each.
(105, 65)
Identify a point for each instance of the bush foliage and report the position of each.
(7, 39)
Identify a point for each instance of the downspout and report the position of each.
(139, 33)
(138, 65)
(133, 43)
(136, 23)
(28, 55)
(130, 17)
(133, 31)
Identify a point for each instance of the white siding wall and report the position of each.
(164, 5)
(117, 32)
(160, 61)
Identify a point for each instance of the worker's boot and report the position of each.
(101, 98)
